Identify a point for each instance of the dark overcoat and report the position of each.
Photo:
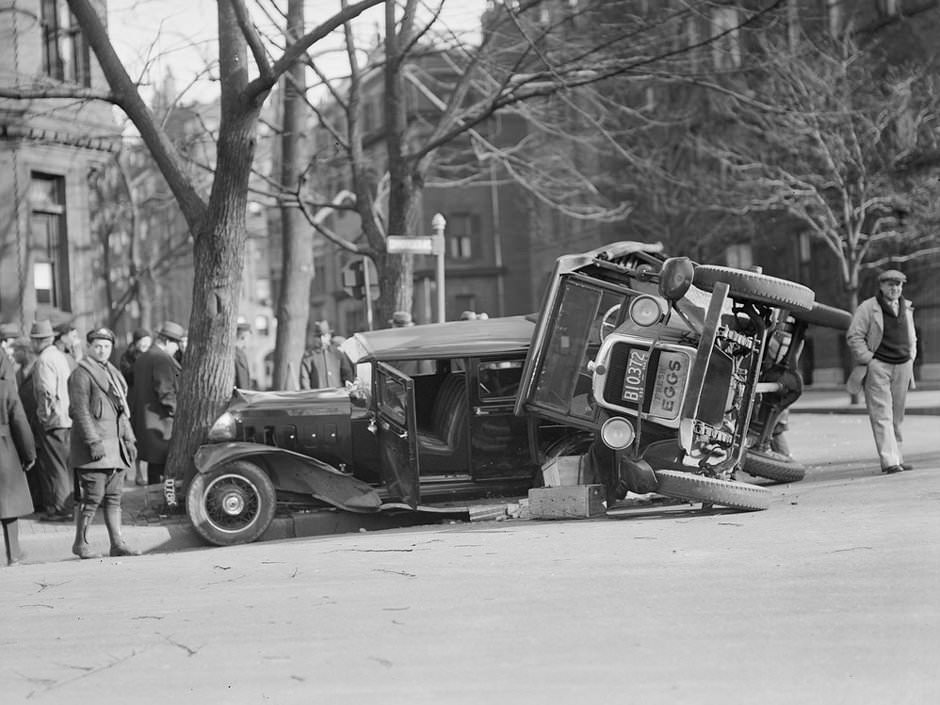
(100, 418)
(156, 380)
(17, 447)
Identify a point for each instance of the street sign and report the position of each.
(404, 245)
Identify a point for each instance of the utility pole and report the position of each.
(438, 223)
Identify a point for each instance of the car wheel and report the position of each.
(827, 316)
(231, 504)
(772, 466)
(696, 488)
(759, 288)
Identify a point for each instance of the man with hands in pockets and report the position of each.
(103, 445)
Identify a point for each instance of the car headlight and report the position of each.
(223, 429)
(647, 310)
(617, 433)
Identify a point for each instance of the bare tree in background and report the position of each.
(818, 135)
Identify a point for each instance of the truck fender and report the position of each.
(294, 472)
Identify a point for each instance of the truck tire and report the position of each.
(708, 490)
(759, 288)
(231, 504)
(772, 466)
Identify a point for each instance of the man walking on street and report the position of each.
(103, 444)
(882, 340)
(156, 382)
(50, 385)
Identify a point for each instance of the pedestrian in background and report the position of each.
(883, 342)
(242, 370)
(68, 341)
(50, 386)
(141, 341)
(17, 456)
(103, 446)
(324, 366)
(9, 332)
(156, 383)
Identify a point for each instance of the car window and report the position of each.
(392, 397)
(499, 379)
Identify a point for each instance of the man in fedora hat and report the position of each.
(156, 383)
(324, 366)
(50, 387)
(242, 369)
(883, 342)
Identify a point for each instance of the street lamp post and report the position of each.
(438, 223)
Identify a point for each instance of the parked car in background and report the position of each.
(662, 362)
(431, 419)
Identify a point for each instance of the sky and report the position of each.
(152, 36)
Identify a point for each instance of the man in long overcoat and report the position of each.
(17, 455)
(156, 383)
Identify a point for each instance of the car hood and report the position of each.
(296, 400)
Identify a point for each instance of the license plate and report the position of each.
(669, 387)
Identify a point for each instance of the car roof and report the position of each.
(492, 336)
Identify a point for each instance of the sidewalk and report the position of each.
(150, 531)
(831, 400)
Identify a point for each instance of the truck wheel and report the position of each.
(708, 490)
(827, 316)
(233, 503)
(773, 466)
(759, 288)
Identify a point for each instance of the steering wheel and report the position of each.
(609, 321)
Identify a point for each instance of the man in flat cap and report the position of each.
(883, 342)
(156, 383)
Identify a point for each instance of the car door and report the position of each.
(397, 439)
(499, 440)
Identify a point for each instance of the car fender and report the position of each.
(295, 472)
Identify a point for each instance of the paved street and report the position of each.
(830, 596)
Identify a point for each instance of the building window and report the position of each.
(49, 252)
(65, 53)
(462, 233)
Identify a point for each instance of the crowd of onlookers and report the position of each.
(73, 424)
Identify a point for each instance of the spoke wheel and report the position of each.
(231, 504)
(708, 490)
(773, 466)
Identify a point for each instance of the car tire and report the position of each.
(772, 466)
(708, 490)
(759, 288)
(231, 504)
(826, 316)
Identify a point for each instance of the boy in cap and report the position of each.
(103, 446)
(883, 342)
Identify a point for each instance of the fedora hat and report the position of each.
(401, 319)
(172, 331)
(41, 329)
(322, 328)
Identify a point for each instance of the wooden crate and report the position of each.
(569, 502)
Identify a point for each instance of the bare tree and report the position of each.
(817, 134)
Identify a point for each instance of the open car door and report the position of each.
(398, 439)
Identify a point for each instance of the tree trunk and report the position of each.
(293, 306)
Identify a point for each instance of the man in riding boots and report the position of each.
(103, 445)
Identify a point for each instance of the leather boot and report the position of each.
(81, 547)
(112, 519)
(11, 539)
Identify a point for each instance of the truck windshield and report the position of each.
(563, 384)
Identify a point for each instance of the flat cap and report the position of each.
(892, 275)
(100, 334)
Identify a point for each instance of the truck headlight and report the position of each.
(617, 433)
(223, 429)
(647, 310)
